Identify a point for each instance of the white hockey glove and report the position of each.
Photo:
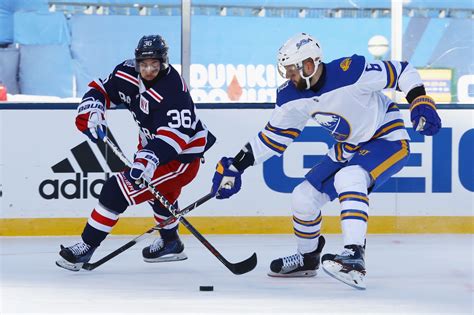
(90, 116)
(144, 167)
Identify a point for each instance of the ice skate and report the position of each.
(159, 251)
(298, 265)
(348, 267)
(73, 257)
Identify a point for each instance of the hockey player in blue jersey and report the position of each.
(172, 141)
(344, 96)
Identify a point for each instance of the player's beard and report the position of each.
(301, 84)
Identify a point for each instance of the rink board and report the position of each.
(49, 182)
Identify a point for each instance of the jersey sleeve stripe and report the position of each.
(98, 86)
(404, 64)
(350, 148)
(127, 77)
(395, 74)
(392, 108)
(339, 152)
(275, 146)
(197, 144)
(389, 127)
(156, 96)
(390, 75)
(200, 142)
(172, 139)
(291, 133)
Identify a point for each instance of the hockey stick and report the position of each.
(236, 268)
(92, 266)
(421, 124)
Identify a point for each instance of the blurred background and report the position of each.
(228, 48)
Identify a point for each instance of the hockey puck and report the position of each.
(206, 288)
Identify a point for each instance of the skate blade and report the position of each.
(68, 266)
(353, 278)
(298, 274)
(166, 258)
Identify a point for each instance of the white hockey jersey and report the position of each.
(347, 101)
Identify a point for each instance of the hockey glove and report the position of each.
(227, 179)
(90, 117)
(143, 167)
(424, 117)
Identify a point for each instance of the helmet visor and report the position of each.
(149, 65)
(287, 71)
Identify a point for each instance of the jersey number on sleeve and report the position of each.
(373, 67)
(180, 118)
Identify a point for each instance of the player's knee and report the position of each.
(353, 178)
(305, 199)
(111, 196)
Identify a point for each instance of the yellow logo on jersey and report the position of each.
(363, 152)
(345, 64)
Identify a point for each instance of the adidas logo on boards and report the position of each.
(81, 186)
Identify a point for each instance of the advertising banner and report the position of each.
(50, 170)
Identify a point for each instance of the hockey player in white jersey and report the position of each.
(344, 96)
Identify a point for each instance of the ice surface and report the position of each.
(406, 274)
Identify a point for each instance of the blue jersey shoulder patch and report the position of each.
(288, 92)
(343, 72)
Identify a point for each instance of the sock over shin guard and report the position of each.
(106, 214)
(351, 184)
(306, 205)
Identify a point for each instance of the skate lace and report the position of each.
(347, 252)
(156, 245)
(293, 260)
(80, 248)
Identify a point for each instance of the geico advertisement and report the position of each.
(49, 169)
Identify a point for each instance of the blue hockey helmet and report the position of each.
(152, 47)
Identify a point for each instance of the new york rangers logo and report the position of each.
(338, 126)
(144, 105)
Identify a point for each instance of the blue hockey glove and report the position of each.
(424, 117)
(227, 179)
(144, 166)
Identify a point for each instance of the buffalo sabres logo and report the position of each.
(345, 64)
(337, 125)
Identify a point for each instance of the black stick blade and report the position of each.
(244, 266)
(89, 267)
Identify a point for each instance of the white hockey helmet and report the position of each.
(296, 50)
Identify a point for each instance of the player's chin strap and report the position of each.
(236, 268)
(308, 78)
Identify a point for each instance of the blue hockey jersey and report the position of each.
(165, 113)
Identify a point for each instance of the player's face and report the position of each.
(149, 68)
(293, 73)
